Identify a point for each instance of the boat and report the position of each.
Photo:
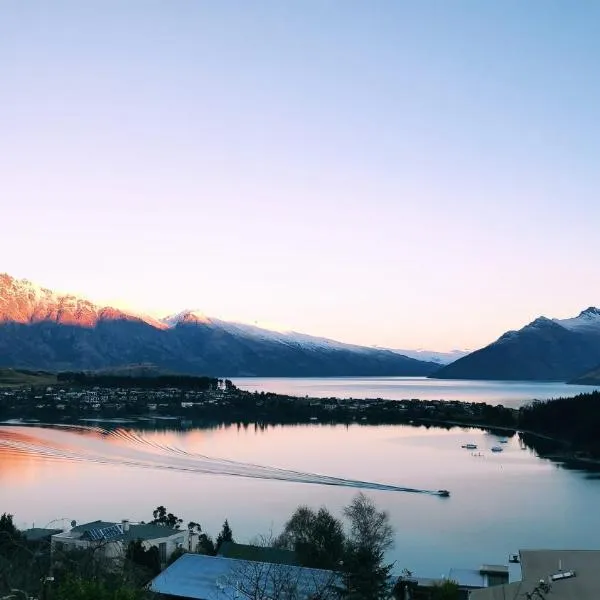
(513, 558)
(503, 441)
(469, 446)
(443, 493)
(497, 449)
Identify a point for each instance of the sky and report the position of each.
(405, 174)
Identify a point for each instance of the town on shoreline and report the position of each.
(185, 401)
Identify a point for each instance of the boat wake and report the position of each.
(122, 447)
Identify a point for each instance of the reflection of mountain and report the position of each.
(546, 349)
(40, 329)
(18, 466)
(95, 446)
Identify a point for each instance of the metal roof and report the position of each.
(258, 553)
(107, 530)
(35, 534)
(201, 577)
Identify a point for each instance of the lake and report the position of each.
(508, 393)
(256, 477)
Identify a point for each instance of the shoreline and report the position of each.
(131, 402)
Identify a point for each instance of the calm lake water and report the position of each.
(256, 477)
(509, 393)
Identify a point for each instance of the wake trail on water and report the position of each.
(121, 447)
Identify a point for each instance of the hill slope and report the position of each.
(40, 329)
(590, 378)
(546, 349)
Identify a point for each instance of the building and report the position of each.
(201, 577)
(555, 574)
(39, 535)
(467, 580)
(112, 539)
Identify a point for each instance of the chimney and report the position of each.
(125, 524)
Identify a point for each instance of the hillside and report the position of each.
(590, 378)
(40, 329)
(545, 349)
(13, 377)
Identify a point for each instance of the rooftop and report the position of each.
(36, 534)
(258, 553)
(201, 577)
(108, 530)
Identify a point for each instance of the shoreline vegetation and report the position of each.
(563, 429)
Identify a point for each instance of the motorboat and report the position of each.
(443, 493)
(497, 449)
(503, 441)
(513, 558)
(469, 446)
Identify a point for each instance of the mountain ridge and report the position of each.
(40, 329)
(544, 349)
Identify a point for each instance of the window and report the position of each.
(162, 551)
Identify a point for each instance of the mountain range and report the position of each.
(41, 329)
(545, 349)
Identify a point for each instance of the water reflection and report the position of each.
(499, 503)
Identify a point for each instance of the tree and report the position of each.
(370, 528)
(370, 535)
(9, 534)
(317, 538)
(76, 588)
(162, 517)
(206, 545)
(226, 535)
(267, 581)
(148, 560)
(448, 590)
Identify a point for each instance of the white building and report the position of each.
(111, 539)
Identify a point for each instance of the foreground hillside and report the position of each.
(546, 349)
(40, 329)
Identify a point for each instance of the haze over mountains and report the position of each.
(40, 329)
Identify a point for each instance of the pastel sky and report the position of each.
(404, 174)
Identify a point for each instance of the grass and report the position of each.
(19, 377)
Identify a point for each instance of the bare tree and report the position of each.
(267, 581)
(370, 528)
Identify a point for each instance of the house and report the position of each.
(556, 574)
(467, 580)
(112, 539)
(39, 535)
(201, 577)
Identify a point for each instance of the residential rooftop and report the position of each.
(201, 577)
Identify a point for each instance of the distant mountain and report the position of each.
(546, 349)
(40, 329)
(441, 358)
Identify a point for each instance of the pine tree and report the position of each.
(226, 535)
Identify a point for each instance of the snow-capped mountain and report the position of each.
(545, 349)
(290, 338)
(441, 358)
(22, 301)
(587, 321)
(40, 329)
